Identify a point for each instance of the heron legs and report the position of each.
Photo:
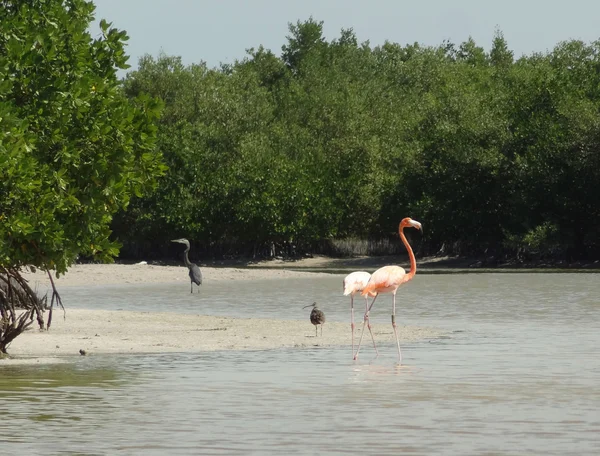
(367, 323)
(394, 326)
(192, 287)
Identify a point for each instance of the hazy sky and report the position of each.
(221, 30)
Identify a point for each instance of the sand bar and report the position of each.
(103, 331)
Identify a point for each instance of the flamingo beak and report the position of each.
(416, 225)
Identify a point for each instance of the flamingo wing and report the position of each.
(385, 279)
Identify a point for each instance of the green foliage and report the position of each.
(337, 139)
(542, 239)
(73, 148)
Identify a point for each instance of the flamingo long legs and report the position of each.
(352, 320)
(394, 326)
(367, 323)
(353, 326)
(369, 326)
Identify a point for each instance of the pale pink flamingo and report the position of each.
(388, 278)
(354, 283)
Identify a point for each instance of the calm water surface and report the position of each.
(517, 372)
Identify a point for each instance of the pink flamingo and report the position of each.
(389, 278)
(354, 283)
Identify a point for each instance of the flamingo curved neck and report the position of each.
(411, 255)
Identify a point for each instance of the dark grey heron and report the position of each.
(317, 317)
(195, 273)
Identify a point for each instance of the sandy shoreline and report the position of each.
(103, 331)
(113, 274)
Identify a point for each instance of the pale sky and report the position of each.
(221, 30)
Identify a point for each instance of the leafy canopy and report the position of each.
(337, 139)
(73, 147)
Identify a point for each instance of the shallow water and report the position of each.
(516, 372)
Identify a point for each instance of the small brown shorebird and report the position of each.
(317, 317)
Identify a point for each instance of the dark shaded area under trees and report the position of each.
(498, 157)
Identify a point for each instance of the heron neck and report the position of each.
(186, 259)
(411, 255)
